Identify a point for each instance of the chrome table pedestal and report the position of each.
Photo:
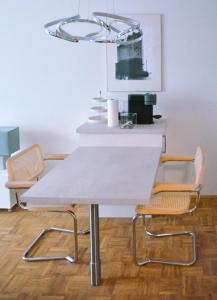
(95, 264)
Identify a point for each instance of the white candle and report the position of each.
(112, 113)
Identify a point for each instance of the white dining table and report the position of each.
(98, 175)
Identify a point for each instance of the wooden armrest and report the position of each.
(165, 158)
(173, 187)
(55, 156)
(19, 184)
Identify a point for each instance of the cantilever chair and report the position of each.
(24, 169)
(171, 199)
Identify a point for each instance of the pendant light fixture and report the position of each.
(114, 29)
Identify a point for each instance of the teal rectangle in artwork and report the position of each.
(9, 140)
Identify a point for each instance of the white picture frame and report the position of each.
(151, 58)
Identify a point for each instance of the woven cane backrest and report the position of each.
(26, 165)
(199, 162)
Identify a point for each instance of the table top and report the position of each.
(159, 127)
(98, 175)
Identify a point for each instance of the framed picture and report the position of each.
(136, 66)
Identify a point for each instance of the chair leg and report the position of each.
(154, 235)
(69, 258)
(83, 231)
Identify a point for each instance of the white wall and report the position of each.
(46, 84)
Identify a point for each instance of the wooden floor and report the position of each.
(122, 280)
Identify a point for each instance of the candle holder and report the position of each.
(99, 110)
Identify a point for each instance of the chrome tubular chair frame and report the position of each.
(156, 235)
(24, 170)
(81, 231)
(69, 258)
(171, 199)
(26, 254)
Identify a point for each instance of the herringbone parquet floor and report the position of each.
(122, 280)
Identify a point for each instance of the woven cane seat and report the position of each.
(166, 203)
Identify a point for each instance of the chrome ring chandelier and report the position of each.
(107, 33)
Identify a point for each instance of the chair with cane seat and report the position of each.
(24, 169)
(172, 199)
